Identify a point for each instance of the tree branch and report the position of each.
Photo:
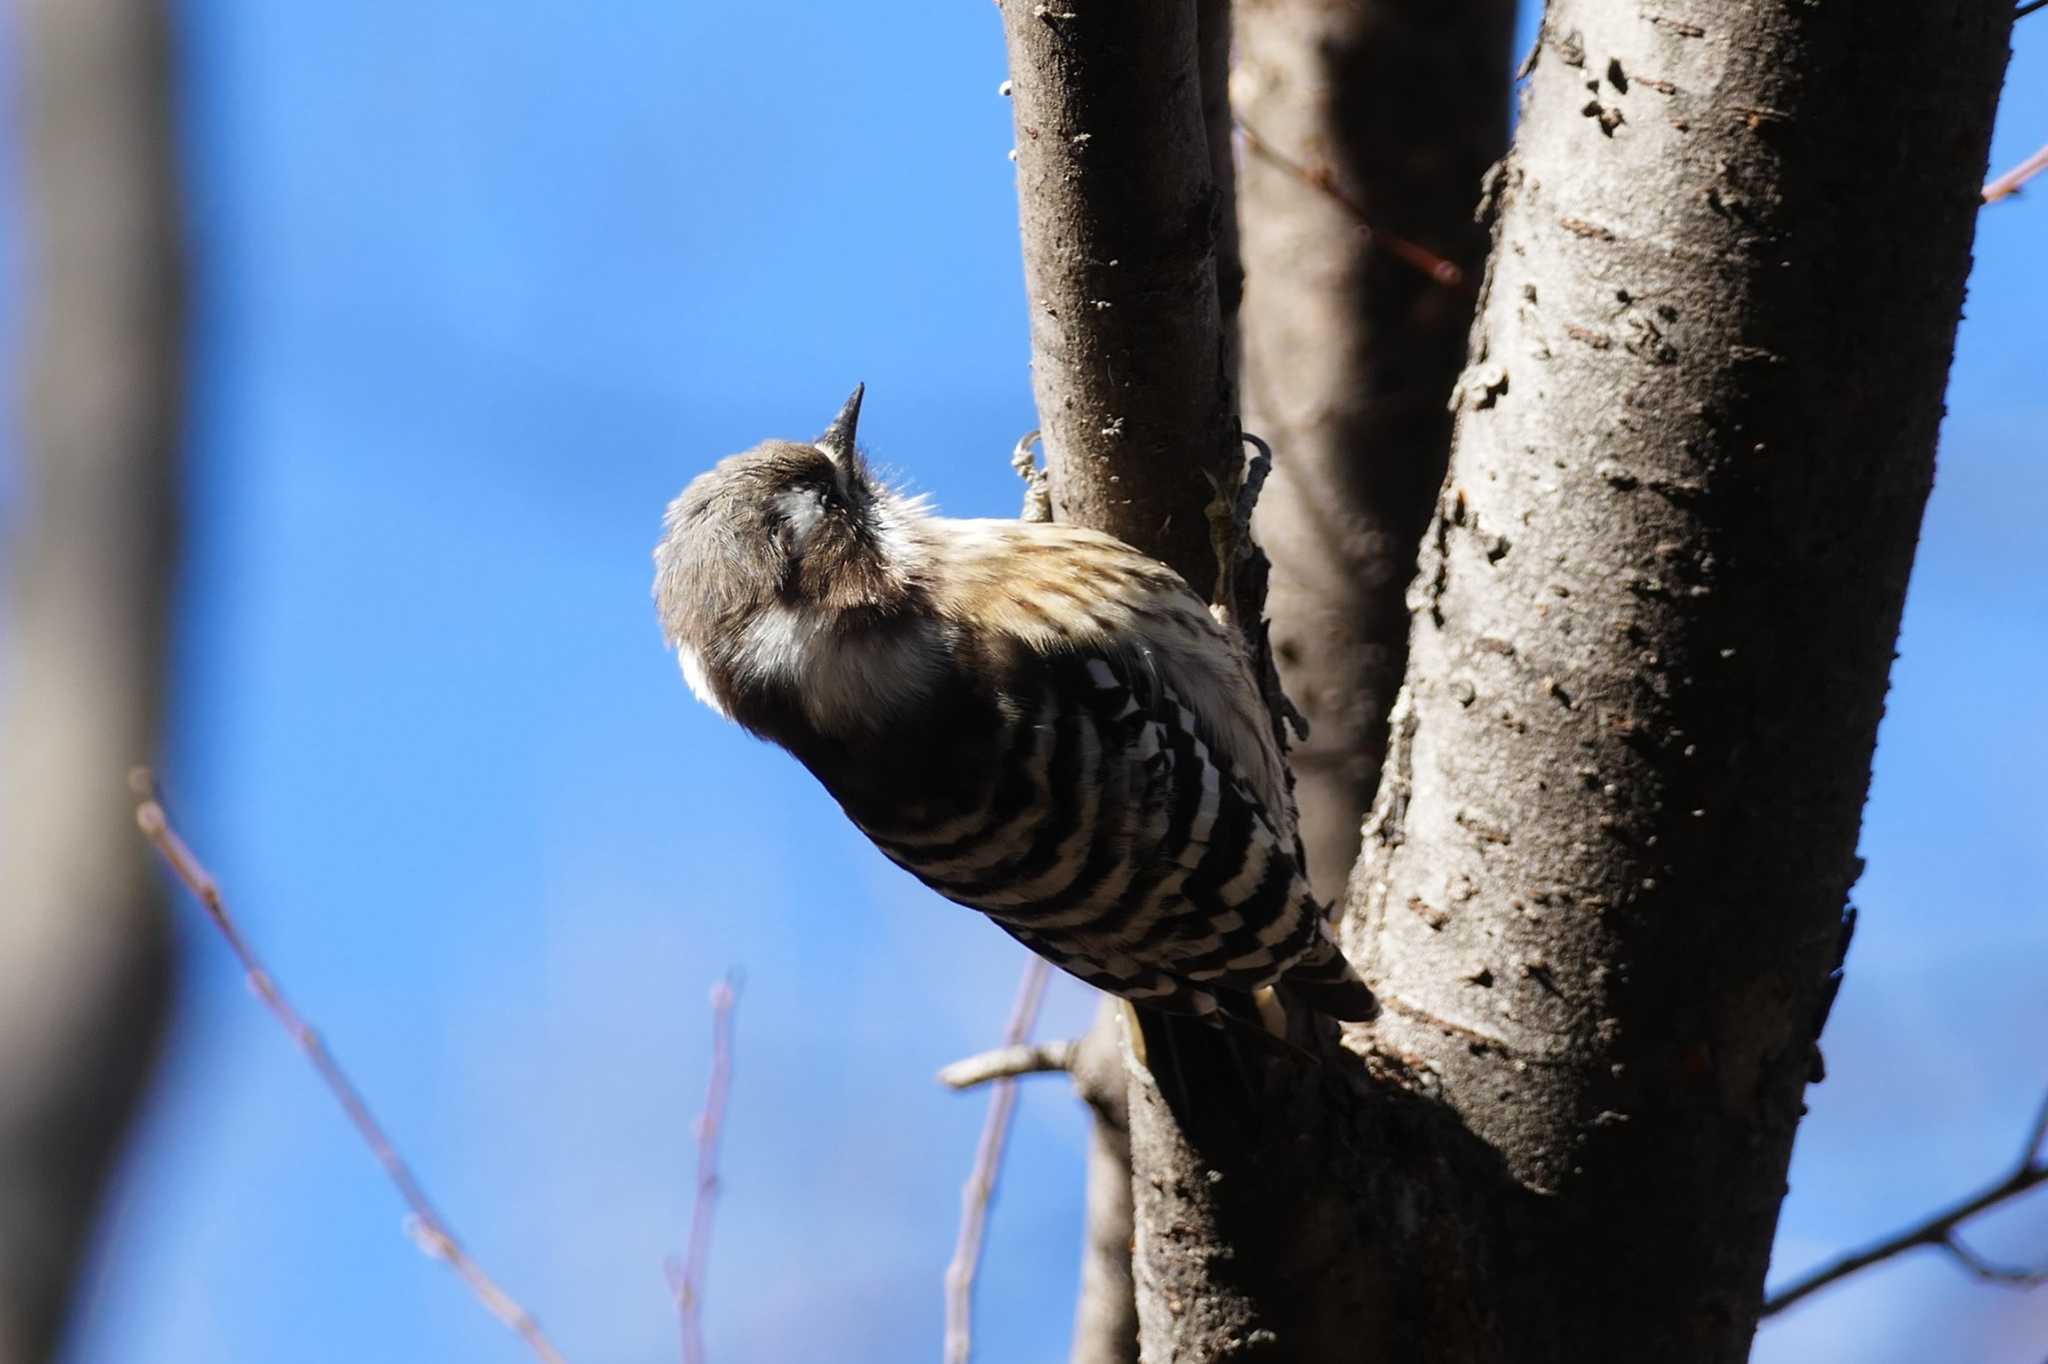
(1007, 1063)
(686, 1281)
(980, 1188)
(2008, 184)
(1940, 1231)
(1122, 215)
(430, 1231)
(1125, 214)
(1105, 1308)
(1121, 219)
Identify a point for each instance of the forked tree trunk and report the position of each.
(1602, 889)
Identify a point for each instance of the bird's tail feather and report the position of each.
(1328, 983)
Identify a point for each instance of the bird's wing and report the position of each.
(1058, 588)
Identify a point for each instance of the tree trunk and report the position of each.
(1350, 351)
(84, 959)
(1603, 889)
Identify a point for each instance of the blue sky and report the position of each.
(481, 285)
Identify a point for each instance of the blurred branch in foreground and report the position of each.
(429, 1229)
(981, 1183)
(686, 1281)
(1939, 1230)
(88, 536)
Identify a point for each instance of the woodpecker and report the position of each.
(1035, 720)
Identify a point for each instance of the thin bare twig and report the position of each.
(1940, 1230)
(980, 1189)
(686, 1281)
(429, 1230)
(1007, 1063)
(1324, 181)
(2008, 184)
(2028, 8)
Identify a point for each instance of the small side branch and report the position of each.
(1007, 1063)
(2008, 184)
(981, 1183)
(429, 1229)
(686, 1281)
(1941, 1230)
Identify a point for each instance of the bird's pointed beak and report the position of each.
(837, 442)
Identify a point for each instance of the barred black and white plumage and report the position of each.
(1037, 721)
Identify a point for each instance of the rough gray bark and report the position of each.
(1350, 353)
(1602, 891)
(84, 958)
(1121, 216)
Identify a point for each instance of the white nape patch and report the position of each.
(801, 510)
(844, 679)
(700, 683)
(776, 643)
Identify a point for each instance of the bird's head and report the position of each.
(774, 552)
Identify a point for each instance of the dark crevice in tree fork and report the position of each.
(1371, 121)
(1602, 888)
